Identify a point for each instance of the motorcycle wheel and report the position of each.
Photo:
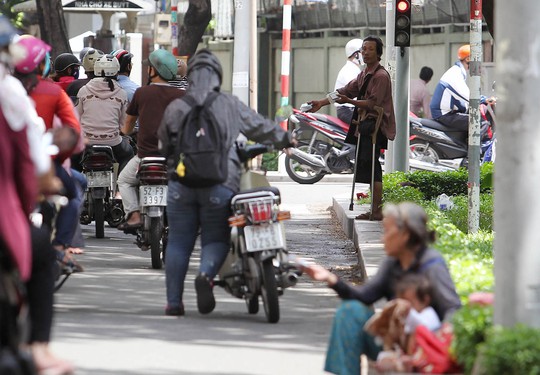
(302, 173)
(421, 151)
(269, 292)
(252, 304)
(156, 231)
(99, 218)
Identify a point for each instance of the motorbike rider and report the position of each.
(52, 102)
(66, 67)
(207, 209)
(378, 92)
(102, 107)
(88, 60)
(450, 100)
(124, 58)
(147, 106)
(181, 76)
(353, 66)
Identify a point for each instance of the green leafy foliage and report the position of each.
(396, 189)
(511, 351)
(270, 161)
(433, 184)
(459, 214)
(470, 324)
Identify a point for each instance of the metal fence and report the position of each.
(311, 15)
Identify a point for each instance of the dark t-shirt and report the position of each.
(149, 103)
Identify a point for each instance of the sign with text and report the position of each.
(119, 5)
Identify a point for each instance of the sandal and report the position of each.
(75, 250)
(67, 263)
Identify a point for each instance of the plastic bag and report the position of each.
(444, 202)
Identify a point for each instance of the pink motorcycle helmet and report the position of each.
(35, 51)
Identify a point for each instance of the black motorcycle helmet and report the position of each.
(64, 61)
(205, 57)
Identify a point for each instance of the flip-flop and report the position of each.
(366, 216)
(126, 226)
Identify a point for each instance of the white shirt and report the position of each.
(348, 72)
(427, 317)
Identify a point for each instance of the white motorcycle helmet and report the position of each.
(352, 46)
(106, 66)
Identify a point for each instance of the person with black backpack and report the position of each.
(197, 135)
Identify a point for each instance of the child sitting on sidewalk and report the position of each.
(397, 322)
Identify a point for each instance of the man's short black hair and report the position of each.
(378, 41)
(426, 73)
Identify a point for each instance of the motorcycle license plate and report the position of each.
(153, 195)
(264, 237)
(99, 179)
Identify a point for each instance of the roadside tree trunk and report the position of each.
(488, 9)
(52, 25)
(196, 20)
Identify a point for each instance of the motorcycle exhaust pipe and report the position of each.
(313, 161)
(289, 279)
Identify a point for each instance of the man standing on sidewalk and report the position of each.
(148, 105)
(371, 88)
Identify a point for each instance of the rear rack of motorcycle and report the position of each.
(259, 204)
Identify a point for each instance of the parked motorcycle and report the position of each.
(153, 234)
(99, 202)
(321, 148)
(258, 263)
(438, 144)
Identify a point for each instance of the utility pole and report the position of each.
(240, 81)
(390, 54)
(253, 57)
(475, 73)
(517, 204)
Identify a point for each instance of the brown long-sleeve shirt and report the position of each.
(378, 93)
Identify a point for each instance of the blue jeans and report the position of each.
(348, 339)
(188, 210)
(68, 216)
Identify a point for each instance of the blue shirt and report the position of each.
(128, 85)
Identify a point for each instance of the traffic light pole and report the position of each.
(390, 54)
(401, 143)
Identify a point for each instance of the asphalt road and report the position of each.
(110, 319)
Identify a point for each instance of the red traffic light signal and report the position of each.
(402, 25)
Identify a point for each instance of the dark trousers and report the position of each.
(455, 120)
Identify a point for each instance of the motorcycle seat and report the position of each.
(433, 124)
(274, 190)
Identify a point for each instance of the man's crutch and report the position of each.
(360, 116)
(380, 113)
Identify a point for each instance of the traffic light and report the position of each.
(402, 27)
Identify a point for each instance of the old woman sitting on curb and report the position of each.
(406, 239)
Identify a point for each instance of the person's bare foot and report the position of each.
(75, 250)
(47, 363)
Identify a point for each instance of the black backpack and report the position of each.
(202, 149)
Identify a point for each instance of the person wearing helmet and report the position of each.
(181, 76)
(66, 67)
(450, 101)
(353, 66)
(53, 105)
(189, 209)
(147, 107)
(88, 60)
(102, 105)
(124, 58)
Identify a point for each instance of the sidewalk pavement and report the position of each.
(366, 235)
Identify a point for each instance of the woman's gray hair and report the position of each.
(413, 218)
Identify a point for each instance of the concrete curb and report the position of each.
(366, 235)
(274, 176)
